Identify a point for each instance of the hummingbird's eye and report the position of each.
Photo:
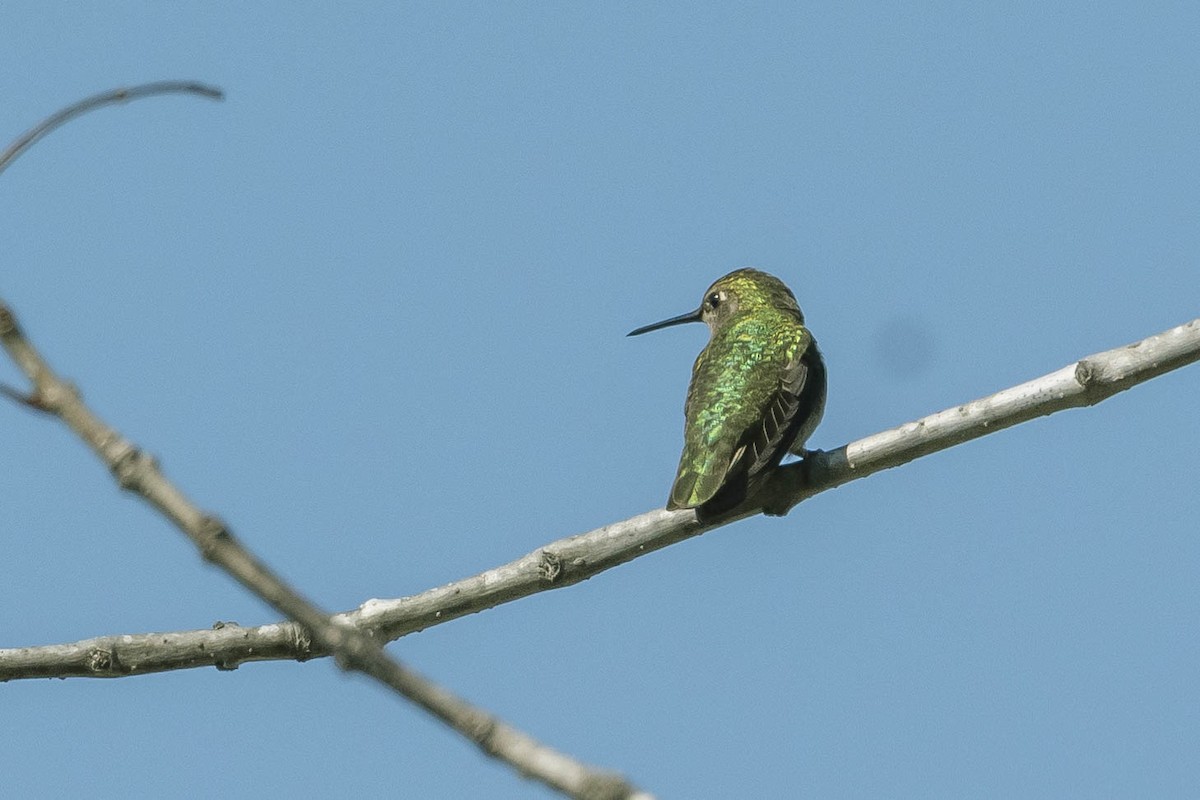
(712, 301)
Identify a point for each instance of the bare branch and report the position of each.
(577, 558)
(111, 97)
(354, 648)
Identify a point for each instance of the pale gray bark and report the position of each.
(576, 558)
(354, 648)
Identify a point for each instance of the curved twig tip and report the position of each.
(111, 97)
(168, 87)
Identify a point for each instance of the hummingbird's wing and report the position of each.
(765, 444)
(729, 453)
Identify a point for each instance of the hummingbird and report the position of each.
(757, 391)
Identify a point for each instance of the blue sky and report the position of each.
(371, 310)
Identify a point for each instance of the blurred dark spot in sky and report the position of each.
(904, 348)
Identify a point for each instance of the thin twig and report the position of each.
(353, 648)
(576, 558)
(111, 97)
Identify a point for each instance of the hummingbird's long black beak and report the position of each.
(691, 316)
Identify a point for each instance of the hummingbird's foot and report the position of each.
(778, 501)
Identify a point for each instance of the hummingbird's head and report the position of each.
(741, 291)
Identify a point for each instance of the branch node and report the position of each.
(302, 643)
(8, 322)
(33, 400)
(481, 729)
(550, 566)
(605, 786)
(130, 465)
(213, 535)
(100, 661)
(1086, 374)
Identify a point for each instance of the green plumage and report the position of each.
(757, 391)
